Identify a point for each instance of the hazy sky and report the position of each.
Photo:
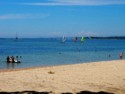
(54, 18)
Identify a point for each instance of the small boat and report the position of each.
(75, 39)
(16, 36)
(12, 60)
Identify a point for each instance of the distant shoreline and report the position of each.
(114, 37)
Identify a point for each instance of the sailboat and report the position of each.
(63, 39)
(16, 36)
(82, 39)
(75, 39)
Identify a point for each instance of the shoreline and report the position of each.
(105, 76)
(35, 67)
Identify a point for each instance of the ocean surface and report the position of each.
(34, 52)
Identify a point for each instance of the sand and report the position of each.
(106, 76)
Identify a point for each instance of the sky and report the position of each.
(56, 18)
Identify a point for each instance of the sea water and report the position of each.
(33, 52)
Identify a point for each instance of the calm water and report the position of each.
(47, 52)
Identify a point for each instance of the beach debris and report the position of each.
(51, 72)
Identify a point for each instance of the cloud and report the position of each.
(23, 16)
(87, 33)
(77, 2)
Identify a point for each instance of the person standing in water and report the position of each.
(121, 55)
(8, 59)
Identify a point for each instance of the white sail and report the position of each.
(63, 39)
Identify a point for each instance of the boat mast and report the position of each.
(16, 36)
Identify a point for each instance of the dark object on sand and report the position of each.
(67, 93)
(35, 92)
(89, 92)
(25, 92)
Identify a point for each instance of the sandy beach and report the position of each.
(108, 76)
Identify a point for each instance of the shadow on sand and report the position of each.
(35, 92)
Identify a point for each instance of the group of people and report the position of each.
(13, 59)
